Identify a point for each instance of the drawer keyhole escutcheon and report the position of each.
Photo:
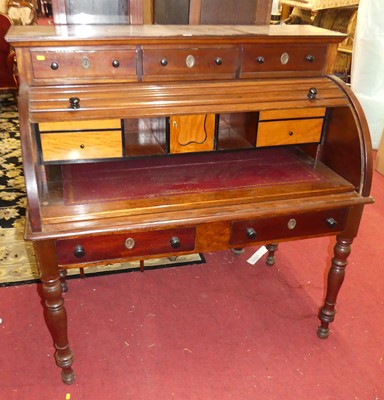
(292, 223)
(284, 58)
(79, 251)
(130, 243)
(251, 233)
(190, 61)
(74, 103)
(86, 63)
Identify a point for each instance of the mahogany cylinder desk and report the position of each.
(148, 141)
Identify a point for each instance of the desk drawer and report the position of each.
(125, 246)
(80, 140)
(71, 146)
(285, 132)
(290, 226)
(187, 63)
(82, 64)
(280, 57)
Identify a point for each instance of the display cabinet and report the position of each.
(148, 141)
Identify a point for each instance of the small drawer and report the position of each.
(80, 64)
(286, 132)
(71, 146)
(280, 57)
(207, 63)
(289, 226)
(125, 246)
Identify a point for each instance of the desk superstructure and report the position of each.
(148, 141)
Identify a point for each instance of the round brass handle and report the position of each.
(310, 58)
(82, 146)
(251, 233)
(175, 242)
(115, 63)
(79, 251)
(331, 222)
(312, 93)
(164, 62)
(290, 133)
(218, 61)
(260, 60)
(129, 243)
(74, 103)
(55, 66)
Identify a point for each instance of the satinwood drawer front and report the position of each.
(207, 62)
(123, 246)
(279, 57)
(81, 140)
(288, 226)
(303, 126)
(80, 64)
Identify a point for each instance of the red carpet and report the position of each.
(222, 330)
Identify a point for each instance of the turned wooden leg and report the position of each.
(54, 312)
(272, 247)
(327, 313)
(56, 320)
(63, 280)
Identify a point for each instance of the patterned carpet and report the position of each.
(17, 263)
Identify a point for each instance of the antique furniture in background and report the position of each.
(120, 164)
(8, 81)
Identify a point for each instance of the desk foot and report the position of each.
(272, 247)
(336, 274)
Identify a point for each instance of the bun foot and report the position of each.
(322, 332)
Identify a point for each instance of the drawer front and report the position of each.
(192, 133)
(73, 64)
(292, 113)
(290, 226)
(125, 246)
(279, 58)
(285, 132)
(212, 62)
(66, 126)
(70, 146)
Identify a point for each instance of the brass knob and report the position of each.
(310, 58)
(79, 251)
(251, 233)
(218, 61)
(55, 66)
(331, 222)
(164, 62)
(175, 242)
(312, 92)
(290, 133)
(115, 63)
(74, 103)
(260, 60)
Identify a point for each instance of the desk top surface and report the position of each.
(28, 35)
